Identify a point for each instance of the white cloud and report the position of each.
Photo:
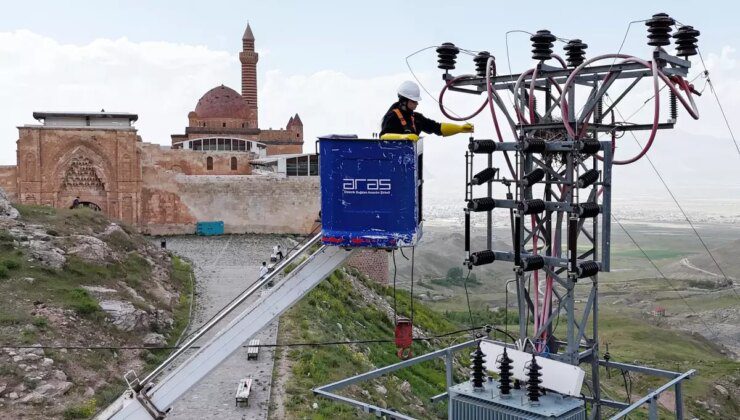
(160, 81)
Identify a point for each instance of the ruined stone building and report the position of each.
(224, 167)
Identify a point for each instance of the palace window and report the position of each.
(233, 163)
(209, 163)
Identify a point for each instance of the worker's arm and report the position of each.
(441, 129)
(427, 125)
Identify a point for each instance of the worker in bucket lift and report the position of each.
(401, 122)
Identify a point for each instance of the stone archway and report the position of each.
(83, 173)
(81, 180)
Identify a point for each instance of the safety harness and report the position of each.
(403, 120)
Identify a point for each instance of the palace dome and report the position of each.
(222, 102)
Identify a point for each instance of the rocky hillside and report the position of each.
(71, 280)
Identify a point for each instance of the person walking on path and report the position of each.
(264, 270)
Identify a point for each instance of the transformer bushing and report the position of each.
(659, 30)
(686, 41)
(504, 373)
(542, 43)
(533, 380)
(446, 56)
(481, 62)
(575, 51)
(478, 371)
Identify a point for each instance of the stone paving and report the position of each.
(225, 266)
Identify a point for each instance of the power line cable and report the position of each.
(298, 344)
(675, 200)
(395, 301)
(467, 297)
(721, 109)
(413, 249)
(408, 65)
(663, 275)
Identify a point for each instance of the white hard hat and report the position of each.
(409, 90)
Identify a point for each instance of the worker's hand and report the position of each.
(397, 136)
(449, 129)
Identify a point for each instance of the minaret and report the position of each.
(249, 59)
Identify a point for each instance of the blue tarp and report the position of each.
(209, 228)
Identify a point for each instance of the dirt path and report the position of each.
(225, 266)
(686, 263)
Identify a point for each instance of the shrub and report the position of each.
(81, 301)
(4, 272)
(80, 411)
(40, 322)
(11, 264)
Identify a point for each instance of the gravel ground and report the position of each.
(225, 266)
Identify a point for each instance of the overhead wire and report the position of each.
(395, 301)
(719, 104)
(413, 249)
(655, 266)
(418, 81)
(683, 212)
(467, 296)
(297, 344)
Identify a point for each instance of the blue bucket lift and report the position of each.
(371, 192)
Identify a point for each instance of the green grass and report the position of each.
(654, 254)
(63, 222)
(636, 341)
(318, 318)
(40, 322)
(83, 410)
(10, 318)
(496, 318)
(81, 301)
(63, 288)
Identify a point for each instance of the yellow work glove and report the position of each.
(396, 136)
(452, 129)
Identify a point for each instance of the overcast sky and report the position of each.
(338, 64)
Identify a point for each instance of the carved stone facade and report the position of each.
(98, 165)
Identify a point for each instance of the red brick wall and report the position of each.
(372, 263)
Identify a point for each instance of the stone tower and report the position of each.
(249, 58)
(295, 128)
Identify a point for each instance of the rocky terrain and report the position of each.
(75, 288)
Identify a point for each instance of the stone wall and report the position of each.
(282, 141)
(373, 263)
(9, 181)
(172, 203)
(191, 162)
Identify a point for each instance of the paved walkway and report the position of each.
(225, 266)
